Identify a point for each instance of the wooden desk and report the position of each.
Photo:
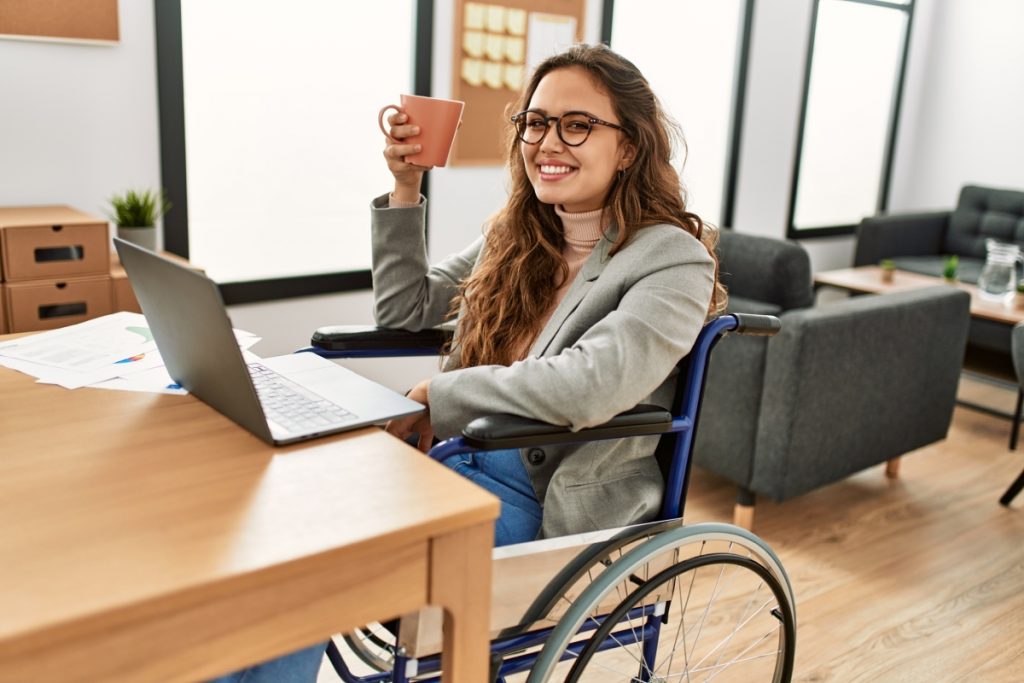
(868, 279)
(147, 537)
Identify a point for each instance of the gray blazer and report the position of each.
(612, 342)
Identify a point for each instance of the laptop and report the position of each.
(281, 400)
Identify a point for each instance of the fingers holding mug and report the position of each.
(399, 127)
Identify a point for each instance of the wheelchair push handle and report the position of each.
(757, 325)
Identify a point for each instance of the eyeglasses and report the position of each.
(573, 126)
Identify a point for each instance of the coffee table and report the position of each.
(868, 279)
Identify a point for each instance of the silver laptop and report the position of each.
(282, 399)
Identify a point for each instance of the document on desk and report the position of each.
(116, 346)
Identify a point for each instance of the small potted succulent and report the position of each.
(949, 267)
(135, 214)
(888, 270)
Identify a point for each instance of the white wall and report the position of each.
(967, 126)
(78, 122)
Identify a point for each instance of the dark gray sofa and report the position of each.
(842, 387)
(920, 242)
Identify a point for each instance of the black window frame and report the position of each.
(739, 95)
(171, 104)
(882, 204)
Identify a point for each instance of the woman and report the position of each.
(576, 303)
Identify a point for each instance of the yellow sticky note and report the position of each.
(514, 76)
(472, 71)
(474, 16)
(473, 43)
(495, 47)
(495, 18)
(515, 50)
(493, 76)
(515, 21)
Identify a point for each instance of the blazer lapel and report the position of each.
(590, 271)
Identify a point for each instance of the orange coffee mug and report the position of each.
(438, 120)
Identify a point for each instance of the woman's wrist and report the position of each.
(406, 192)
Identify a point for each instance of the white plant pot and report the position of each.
(143, 237)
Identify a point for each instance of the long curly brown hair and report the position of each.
(503, 303)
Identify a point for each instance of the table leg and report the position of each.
(460, 583)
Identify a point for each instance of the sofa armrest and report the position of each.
(855, 383)
(918, 234)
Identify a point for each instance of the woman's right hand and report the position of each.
(408, 177)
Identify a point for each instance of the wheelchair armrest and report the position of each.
(755, 324)
(343, 338)
(495, 432)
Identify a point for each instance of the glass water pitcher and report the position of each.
(998, 279)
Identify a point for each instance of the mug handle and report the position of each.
(380, 120)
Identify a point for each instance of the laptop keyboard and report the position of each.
(293, 407)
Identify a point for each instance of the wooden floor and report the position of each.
(917, 579)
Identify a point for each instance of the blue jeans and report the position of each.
(503, 474)
(500, 472)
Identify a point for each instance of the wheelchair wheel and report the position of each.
(374, 645)
(698, 603)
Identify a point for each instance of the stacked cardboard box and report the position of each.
(55, 267)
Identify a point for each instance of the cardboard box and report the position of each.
(33, 306)
(3, 312)
(52, 242)
(121, 289)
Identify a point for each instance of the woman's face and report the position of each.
(578, 178)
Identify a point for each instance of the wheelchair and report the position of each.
(654, 602)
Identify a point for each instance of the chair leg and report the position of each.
(1012, 492)
(892, 468)
(743, 511)
(1015, 427)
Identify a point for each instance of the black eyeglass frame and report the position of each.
(591, 119)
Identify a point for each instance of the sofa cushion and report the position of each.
(983, 213)
(968, 269)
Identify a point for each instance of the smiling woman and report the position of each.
(270, 103)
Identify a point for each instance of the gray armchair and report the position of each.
(841, 388)
(920, 242)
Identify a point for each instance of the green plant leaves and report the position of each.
(138, 209)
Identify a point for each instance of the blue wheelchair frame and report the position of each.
(505, 431)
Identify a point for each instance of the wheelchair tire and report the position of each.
(701, 602)
(373, 645)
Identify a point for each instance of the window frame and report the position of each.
(171, 107)
(885, 182)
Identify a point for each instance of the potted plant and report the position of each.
(135, 214)
(949, 267)
(888, 270)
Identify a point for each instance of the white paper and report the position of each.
(548, 34)
(135, 365)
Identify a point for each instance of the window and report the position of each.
(700, 82)
(851, 104)
(278, 148)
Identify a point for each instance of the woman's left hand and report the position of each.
(415, 424)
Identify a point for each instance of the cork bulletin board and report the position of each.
(495, 49)
(90, 21)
